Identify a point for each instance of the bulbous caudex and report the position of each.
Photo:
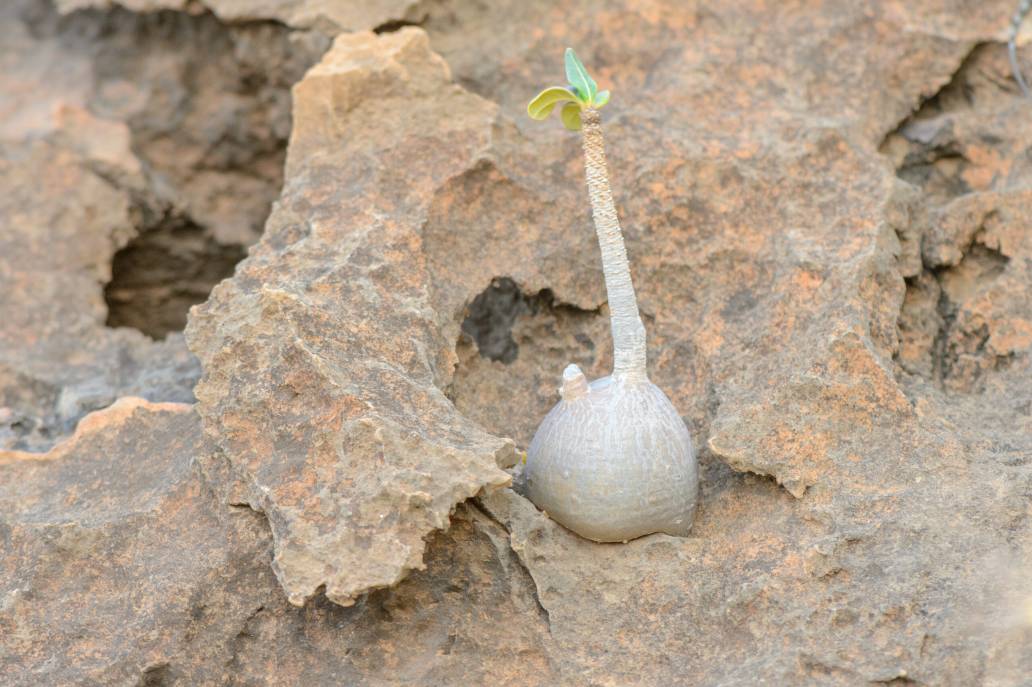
(613, 460)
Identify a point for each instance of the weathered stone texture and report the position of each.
(826, 208)
(154, 142)
(350, 332)
(118, 566)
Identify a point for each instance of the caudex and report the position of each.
(613, 459)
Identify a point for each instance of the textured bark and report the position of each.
(628, 331)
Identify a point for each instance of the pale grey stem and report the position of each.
(628, 330)
(1012, 45)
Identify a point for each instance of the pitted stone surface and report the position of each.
(825, 208)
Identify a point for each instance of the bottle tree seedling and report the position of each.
(612, 460)
(1012, 44)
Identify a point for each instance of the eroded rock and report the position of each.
(833, 309)
(118, 564)
(139, 153)
(323, 356)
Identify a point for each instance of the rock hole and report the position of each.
(207, 105)
(536, 336)
(397, 25)
(490, 319)
(161, 273)
(156, 676)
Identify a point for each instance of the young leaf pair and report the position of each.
(582, 93)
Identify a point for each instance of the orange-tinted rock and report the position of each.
(832, 266)
(121, 566)
(325, 355)
(118, 566)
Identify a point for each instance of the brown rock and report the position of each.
(117, 568)
(330, 16)
(319, 379)
(122, 567)
(132, 162)
(471, 617)
(825, 209)
(766, 263)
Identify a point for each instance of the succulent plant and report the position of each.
(582, 93)
(613, 459)
(1012, 44)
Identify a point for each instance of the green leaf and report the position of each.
(571, 116)
(542, 105)
(601, 99)
(578, 77)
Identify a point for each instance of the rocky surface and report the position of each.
(140, 154)
(329, 16)
(826, 210)
(118, 566)
(335, 423)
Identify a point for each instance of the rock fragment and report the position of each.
(322, 356)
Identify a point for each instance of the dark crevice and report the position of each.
(935, 104)
(940, 339)
(490, 317)
(955, 354)
(978, 268)
(393, 25)
(207, 107)
(531, 583)
(164, 271)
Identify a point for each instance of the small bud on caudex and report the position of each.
(613, 460)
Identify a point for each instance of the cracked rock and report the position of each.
(826, 211)
(117, 562)
(321, 355)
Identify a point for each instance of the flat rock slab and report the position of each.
(119, 565)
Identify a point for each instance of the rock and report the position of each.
(324, 356)
(57, 360)
(140, 145)
(117, 567)
(439, 626)
(326, 15)
(773, 296)
(969, 312)
(825, 209)
(121, 566)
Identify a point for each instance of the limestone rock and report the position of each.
(121, 566)
(134, 172)
(330, 16)
(323, 355)
(118, 567)
(826, 209)
(472, 617)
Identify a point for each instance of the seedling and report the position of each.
(613, 460)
